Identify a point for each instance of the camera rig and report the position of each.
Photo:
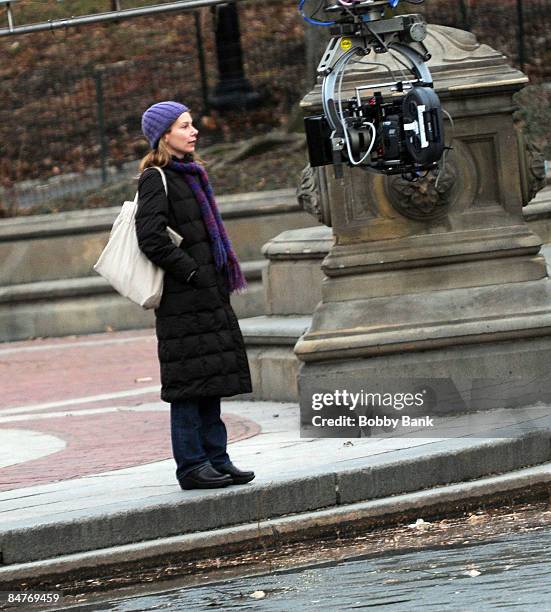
(390, 127)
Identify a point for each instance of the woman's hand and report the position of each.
(200, 279)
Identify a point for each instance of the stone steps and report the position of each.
(48, 287)
(90, 305)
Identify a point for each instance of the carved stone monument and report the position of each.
(441, 278)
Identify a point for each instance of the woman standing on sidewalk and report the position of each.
(200, 346)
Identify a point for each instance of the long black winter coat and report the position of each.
(200, 346)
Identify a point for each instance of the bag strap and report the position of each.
(163, 176)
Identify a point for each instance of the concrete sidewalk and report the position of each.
(86, 464)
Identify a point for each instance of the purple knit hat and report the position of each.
(158, 118)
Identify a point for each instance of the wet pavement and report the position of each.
(512, 572)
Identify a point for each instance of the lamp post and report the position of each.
(520, 34)
(233, 89)
(9, 14)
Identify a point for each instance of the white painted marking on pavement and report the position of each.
(53, 346)
(52, 415)
(80, 400)
(18, 446)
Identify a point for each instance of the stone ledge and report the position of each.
(54, 290)
(88, 285)
(274, 330)
(300, 244)
(539, 207)
(90, 305)
(100, 220)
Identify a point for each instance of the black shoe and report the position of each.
(238, 476)
(205, 477)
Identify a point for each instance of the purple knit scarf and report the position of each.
(196, 177)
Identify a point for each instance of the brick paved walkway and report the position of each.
(78, 406)
(57, 369)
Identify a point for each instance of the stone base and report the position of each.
(458, 379)
(343, 330)
(292, 281)
(274, 373)
(270, 341)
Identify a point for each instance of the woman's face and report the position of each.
(181, 137)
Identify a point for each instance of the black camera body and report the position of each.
(398, 148)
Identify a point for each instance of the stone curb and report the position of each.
(272, 532)
(126, 524)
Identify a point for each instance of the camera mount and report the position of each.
(391, 127)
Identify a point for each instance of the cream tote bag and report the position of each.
(123, 264)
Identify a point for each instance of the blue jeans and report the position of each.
(198, 433)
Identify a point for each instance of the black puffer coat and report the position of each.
(200, 346)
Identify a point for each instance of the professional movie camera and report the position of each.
(391, 127)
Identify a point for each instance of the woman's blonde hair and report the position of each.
(161, 156)
(156, 157)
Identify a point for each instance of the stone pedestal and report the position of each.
(439, 279)
(292, 280)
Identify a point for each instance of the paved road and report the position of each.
(78, 406)
(513, 572)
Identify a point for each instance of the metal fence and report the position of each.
(521, 29)
(67, 129)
